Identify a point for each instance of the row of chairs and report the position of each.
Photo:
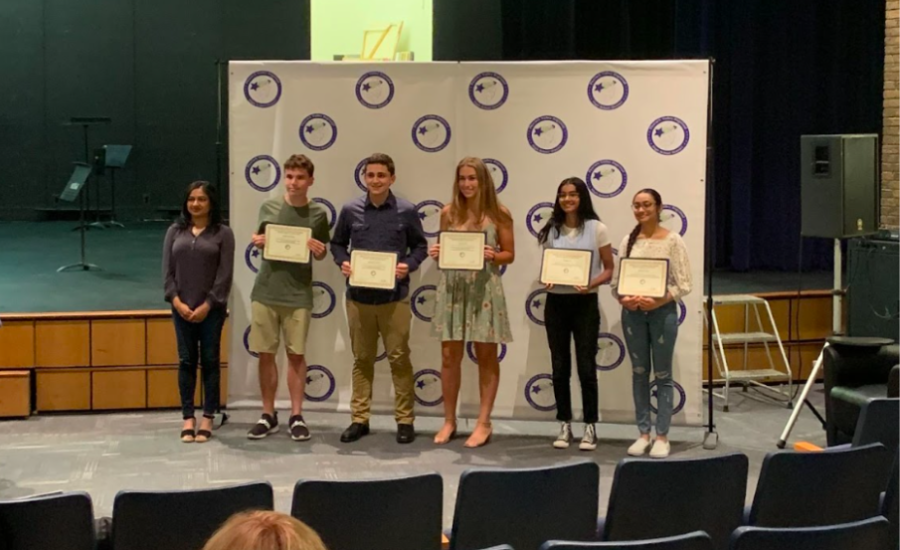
(520, 507)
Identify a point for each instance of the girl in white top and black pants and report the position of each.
(651, 324)
(572, 312)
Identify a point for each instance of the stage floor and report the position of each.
(105, 453)
(131, 275)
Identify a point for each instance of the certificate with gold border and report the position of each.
(566, 267)
(373, 269)
(462, 250)
(643, 277)
(287, 243)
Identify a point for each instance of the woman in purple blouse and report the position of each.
(198, 263)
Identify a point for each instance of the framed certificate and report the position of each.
(462, 250)
(567, 267)
(643, 277)
(373, 269)
(287, 243)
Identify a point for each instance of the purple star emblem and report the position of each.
(420, 384)
(422, 130)
(480, 87)
(422, 215)
(421, 300)
(256, 169)
(598, 175)
(309, 379)
(658, 132)
(598, 87)
(536, 304)
(367, 86)
(538, 131)
(255, 253)
(535, 389)
(538, 217)
(254, 86)
(310, 128)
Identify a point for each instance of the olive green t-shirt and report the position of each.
(285, 283)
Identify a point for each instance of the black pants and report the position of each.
(575, 316)
(204, 336)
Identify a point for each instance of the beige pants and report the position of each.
(269, 323)
(391, 322)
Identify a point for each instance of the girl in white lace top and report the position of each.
(650, 325)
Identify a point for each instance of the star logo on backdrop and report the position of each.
(658, 132)
(598, 87)
(422, 215)
(536, 389)
(423, 130)
(421, 300)
(367, 86)
(420, 384)
(255, 253)
(538, 217)
(256, 169)
(254, 86)
(536, 304)
(310, 128)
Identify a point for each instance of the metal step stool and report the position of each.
(748, 336)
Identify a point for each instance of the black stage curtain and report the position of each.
(783, 68)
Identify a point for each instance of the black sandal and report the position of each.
(204, 435)
(188, 436)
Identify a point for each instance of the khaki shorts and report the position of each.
(268, 323)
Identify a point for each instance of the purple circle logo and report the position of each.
(429, 213)
(253, 257)
(607, 90)
(431, 133)
(422, 302)
(488, 91)
(359, 175)
(539, 393)
(262, 173)
(547, 134)
(324, 300)
(679, 395)
(374, 89)
(610, 351)
(262, 89)
(470, 351)
(682, 312)
(318, 131)
(498, 173)
(668, 135)
(673, 219)
(247, 343)
(320, 383)
(534, 306)
(503, 269)
(606, 178)
(538, 216)
(330, 212)
(427, 388)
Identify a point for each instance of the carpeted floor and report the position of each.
(105, 453)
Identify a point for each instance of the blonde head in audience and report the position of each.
(264, 530)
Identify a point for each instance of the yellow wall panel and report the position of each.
(17, 344)
(119, 389)
(63, 390)
(15, 393)
(62, 343)
(162, 348)
(118, 342)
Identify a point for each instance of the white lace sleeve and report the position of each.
(680, 284)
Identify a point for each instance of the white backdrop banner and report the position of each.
(620, 126)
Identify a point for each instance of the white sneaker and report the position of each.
(589, 441)
(660, 449)
(564, 437)
(639, 447)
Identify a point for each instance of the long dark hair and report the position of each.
(215, 215)
(585, 209)
(637, 229)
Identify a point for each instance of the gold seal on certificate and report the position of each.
(643, 277)
(287, 243)
(462, 250)
(373, 269)
(566, 267)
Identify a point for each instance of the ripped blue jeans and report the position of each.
(650, 337)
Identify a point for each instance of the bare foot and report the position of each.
(446, 433)
(481, 436)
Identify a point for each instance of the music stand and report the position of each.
(72, 191)
(85, 122)
(114, 158)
